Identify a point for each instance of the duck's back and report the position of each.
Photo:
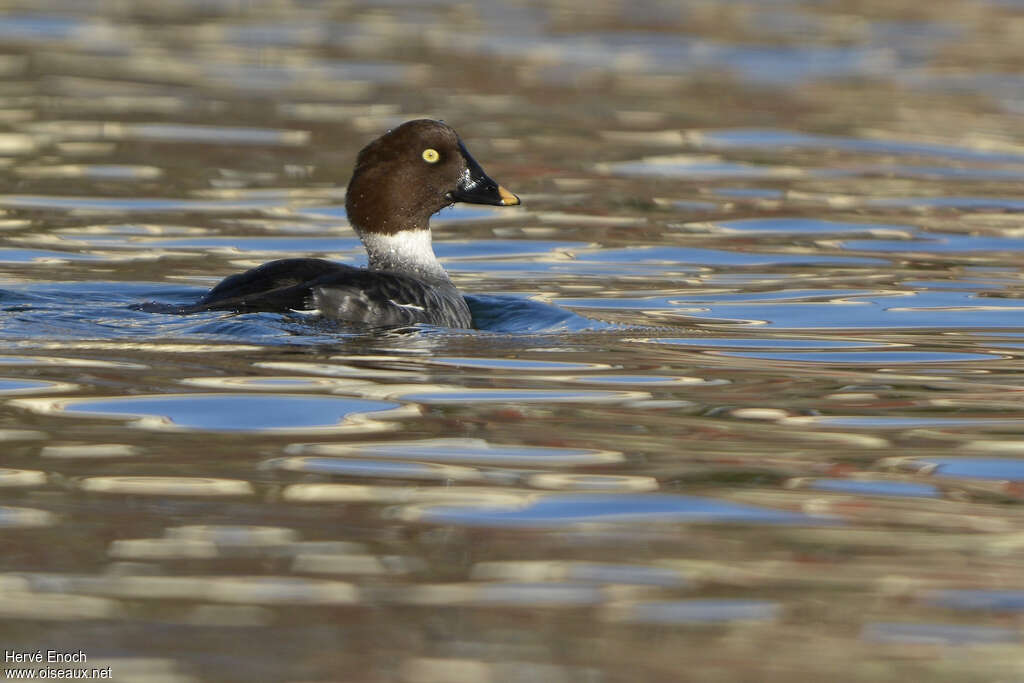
(339, 292)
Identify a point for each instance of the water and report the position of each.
(742, 400)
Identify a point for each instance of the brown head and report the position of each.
(410, 173)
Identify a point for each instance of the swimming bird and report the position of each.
(400, 180)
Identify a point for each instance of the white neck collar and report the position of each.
(407, 251)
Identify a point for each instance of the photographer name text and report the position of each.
(48, 656)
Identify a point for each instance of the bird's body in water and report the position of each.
(400, 180)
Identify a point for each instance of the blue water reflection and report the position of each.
(873, 357)
(793, 226)
(230, 412)
(875, 488)
(933, 634)
(864, 310)
(717, 257)
(776, 139)
(568, 509)
(983, 468)
(976, 599)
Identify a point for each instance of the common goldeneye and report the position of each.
(400, 180)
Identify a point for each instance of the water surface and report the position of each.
(742, 401)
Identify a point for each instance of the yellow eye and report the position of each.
(430, 155)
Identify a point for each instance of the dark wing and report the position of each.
(338, 292)
(275, 286)
(386, 299)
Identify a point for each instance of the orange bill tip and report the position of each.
(507, 198)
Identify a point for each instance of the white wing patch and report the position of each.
(306, 312)
(413, 306)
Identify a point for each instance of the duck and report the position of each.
(400, 180)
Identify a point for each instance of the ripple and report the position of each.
(216, 135)
(504, 314)
(766, 414)
(939, 243)
(391, 494)
(21, 435)
(130, 230)
(709, 611)
(204, 487)
(1008, 447)
(145, 346)
(897, 421)
(347, 78)
(457, 250)
(765, 342)
(273, 590)
(591, 482)
(777, 139)
(265, 590)
(795, 226)
(558, 570)
(90, 451)
(517, 364)
(547, 510)
(277, 413)
(344, 467)
(32, 28)
(24, 518)
(873, 488)
(463, 668)
(840, 310)
(976, 599)
(639, 380)
(14, 387)
(748, 193)
(980, 468)
(265, 383)
(465, 395)
(225, 244)
(27, 605)
(365, 565)
(122, 205)
(10, 478)
(218, 541)
(635, 57)
(962, 203)
(171, 132)
(698, 166)
(353, 374)
(538, 595)
(235, 534)
(936, 634)
(873, 357)
(950, 173)
(69, 362)
(90, 172)
(671, 255)
(457, 450)
(13, 144)
(42, 256)
(157, 549)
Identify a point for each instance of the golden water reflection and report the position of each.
(743, 403)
